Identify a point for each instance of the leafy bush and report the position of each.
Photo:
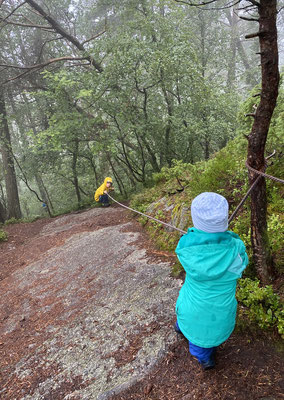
(276, 233)
(262, 306)
(141, 201)
(3, 236)
(12, 221)
(224, 174)
(180, 172)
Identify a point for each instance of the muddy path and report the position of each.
(86, 312)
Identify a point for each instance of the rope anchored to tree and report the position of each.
(260, 175)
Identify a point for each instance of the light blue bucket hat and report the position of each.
(209, 212)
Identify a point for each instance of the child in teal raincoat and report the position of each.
(214, 259)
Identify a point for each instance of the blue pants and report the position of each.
(103, 199)
(201, 353)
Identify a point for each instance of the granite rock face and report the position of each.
(108, 310)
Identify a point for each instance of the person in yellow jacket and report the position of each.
(101, 193)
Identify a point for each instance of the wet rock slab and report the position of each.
(108, 312)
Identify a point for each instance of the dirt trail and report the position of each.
(86, 312)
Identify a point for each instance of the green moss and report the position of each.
(21, 220)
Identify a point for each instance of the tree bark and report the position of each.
(257, 138)
(233, 21)
(202, 43)
(118, 180)
(44, 194)
(2, 213)
(74, 171)
(152, 158)
(13, 202)
(168, 150)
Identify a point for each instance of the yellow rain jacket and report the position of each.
(102, 188)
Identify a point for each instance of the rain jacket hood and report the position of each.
(206, 306)
(102, 188)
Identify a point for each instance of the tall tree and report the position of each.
(265, 14)
(13, 203)
(267, 34)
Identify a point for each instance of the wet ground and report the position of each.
(86, 312)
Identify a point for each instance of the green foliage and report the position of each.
(179, 171)
(262, 306)
(163, 240)
(12, 221)
(224, 174)
(27, 220)
(142, 200)
(276, 233)
(241, 226)
(3, 236)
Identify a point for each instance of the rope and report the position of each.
(264, 175)
(260, 174)
(147, 216)
(243, 200)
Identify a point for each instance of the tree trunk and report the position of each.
(74, 171)
(13, 203)
(168, 150)
(152, 158)
(118, 180)
(233, 21)
(2, 213)
(93, 165)
(257, 138)
(43, 193)
(202, 41)
(206, 149)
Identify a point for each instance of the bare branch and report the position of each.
(37, 66)
(24, 179)
(52, 60)
(255, 3)
(252, 35)
(202, 4)
(25, 25)
(94, 37)
(43, 45)
(249, 19)
(78, 65)
(14, 10)
(64, 33)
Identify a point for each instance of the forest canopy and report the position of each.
(90, 89)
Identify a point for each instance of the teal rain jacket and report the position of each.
(206, 306)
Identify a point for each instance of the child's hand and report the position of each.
(105, 191)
